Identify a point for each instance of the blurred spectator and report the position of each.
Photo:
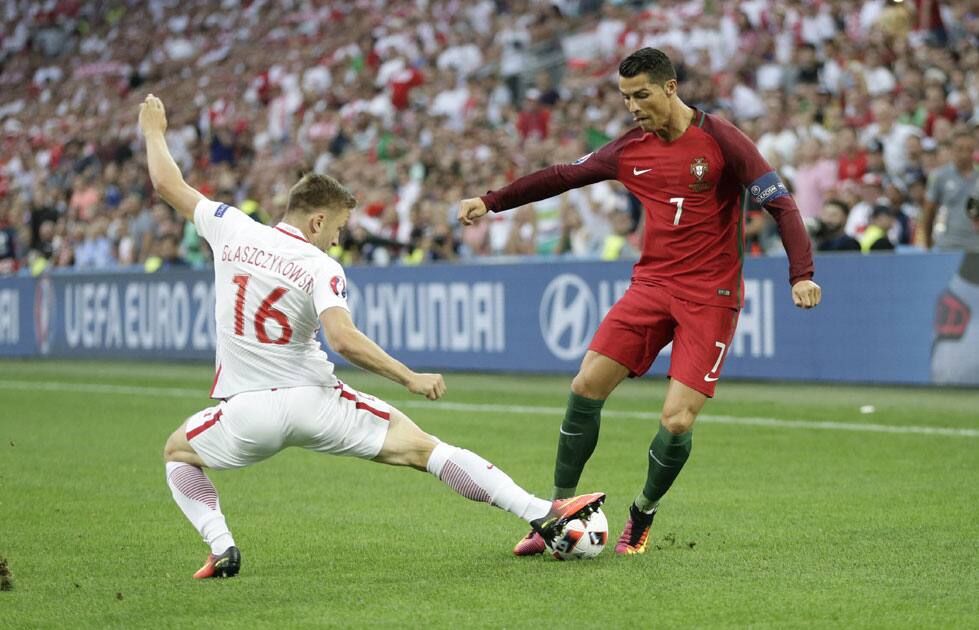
(616, 245)
(535, 117)
(814, 177)
(851, 157)
(9, 261)
(412, 105)
(523, 233)
(95, 251)
(891, 135)
(829, 234)
(870, 191)
(945, 222)
(167, 256)
(874, 238)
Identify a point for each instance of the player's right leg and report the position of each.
(241, 431)
(477, 479)
(598, 377)
(626, 343)
(349, 422)
(197, 497)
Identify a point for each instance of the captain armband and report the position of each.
(767, 188)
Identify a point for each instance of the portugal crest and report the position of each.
(698, 168)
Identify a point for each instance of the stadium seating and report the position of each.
(427, 106)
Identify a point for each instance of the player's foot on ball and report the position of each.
(226, 565)
(564, 510)
(633, 538)
(530, 545)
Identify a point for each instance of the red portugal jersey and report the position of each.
(693, 190)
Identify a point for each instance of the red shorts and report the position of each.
(647, 318)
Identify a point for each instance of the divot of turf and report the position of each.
(6, 581)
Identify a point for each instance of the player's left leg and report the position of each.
(667, 454)
(700, 342)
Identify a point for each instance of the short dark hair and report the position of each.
(652, 61)
(839, 204)
(882, 209)
(317, 192)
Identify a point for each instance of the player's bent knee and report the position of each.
(585, 386)
(178, 449)
(679, 420)
(405, 444)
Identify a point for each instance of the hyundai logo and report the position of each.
(568, 316)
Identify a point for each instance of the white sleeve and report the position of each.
(216, 221)
(330, 288)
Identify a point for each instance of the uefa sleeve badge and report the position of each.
(339, 286)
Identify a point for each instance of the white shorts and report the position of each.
(253, 426)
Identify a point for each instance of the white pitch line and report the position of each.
(97, 388)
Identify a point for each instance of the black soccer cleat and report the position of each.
(226, 565)
(564, 510)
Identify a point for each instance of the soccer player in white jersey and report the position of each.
(274, 287)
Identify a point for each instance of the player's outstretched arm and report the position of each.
(164, 173)
(359, 349)
(546, 183)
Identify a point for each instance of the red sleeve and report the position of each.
(554, 180)
(766, 189)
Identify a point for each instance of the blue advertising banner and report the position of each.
(885, 319)
(875, 323)
(16, 317)
(165, 316)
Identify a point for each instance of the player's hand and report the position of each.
(152, 116)
(470, 210)
(806, 294)
(431, 386)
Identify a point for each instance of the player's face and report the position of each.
(327, 226)
(649, 103)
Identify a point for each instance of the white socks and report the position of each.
(197, 497)
(475, 478)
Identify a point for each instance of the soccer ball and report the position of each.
(581, 538)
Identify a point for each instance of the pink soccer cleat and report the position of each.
(530, 545)
(636, 532)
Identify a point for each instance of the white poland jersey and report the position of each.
(270, 285)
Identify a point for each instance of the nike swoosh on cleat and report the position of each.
(637, 171)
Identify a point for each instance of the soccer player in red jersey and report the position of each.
(693, 173)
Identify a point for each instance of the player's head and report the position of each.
(320, 206)
(647, 81)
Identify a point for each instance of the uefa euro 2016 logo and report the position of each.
(568, 316)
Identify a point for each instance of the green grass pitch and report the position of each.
(794, 510)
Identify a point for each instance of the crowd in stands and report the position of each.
(868, 111)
